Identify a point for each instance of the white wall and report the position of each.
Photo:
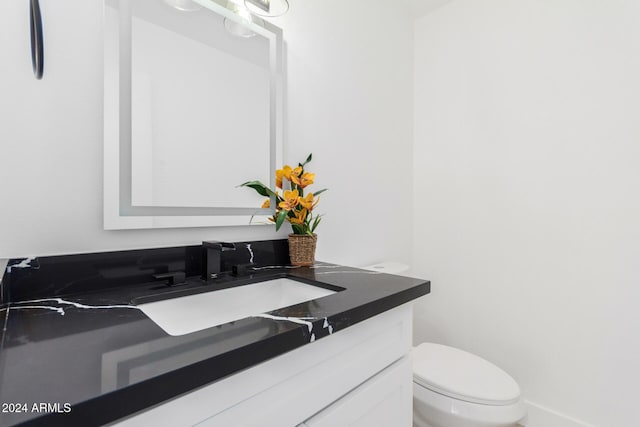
(350, 103)
(526, 213)
(422, 7)
(344, 60)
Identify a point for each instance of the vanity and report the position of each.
(82, 344)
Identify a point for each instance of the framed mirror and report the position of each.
(193, 108)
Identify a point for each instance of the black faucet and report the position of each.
(212, 258)
(173, 279)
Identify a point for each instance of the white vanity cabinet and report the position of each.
(382, 401)
(359, 376)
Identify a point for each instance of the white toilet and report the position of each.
(453, 388)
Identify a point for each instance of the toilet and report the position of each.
(454, 388)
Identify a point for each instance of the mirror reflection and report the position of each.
(199, 98)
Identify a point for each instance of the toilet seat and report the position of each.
(462, 376)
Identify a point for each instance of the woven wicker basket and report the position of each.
(302, 249)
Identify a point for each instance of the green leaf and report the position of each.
(262, 189)
(319, 192)
(280, 219)
(297, 229)
(302, 165)
(316, 223)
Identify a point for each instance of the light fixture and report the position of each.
(184, 5)
(267, 8)
(241, 29)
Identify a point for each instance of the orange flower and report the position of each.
(296, 205)
(306, 179)
(301, 215)
(285, 172)
(290, 200)
(307, 201)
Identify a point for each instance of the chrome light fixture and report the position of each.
(241, 29)
(242, 8)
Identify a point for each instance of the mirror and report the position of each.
(193, 108)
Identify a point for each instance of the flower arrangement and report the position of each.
(293, 205)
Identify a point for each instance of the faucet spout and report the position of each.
(220, 246)
(212, 258)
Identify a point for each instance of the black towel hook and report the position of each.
(37, 46)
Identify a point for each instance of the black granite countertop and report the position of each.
(76, 349)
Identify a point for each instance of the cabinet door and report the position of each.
(384, 400)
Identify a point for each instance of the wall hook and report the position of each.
(37, 46)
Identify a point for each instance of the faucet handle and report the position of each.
(175, 278)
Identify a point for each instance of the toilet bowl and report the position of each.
(453, 388)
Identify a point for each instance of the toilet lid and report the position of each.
(463, 376)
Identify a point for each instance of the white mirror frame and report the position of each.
(119, 214)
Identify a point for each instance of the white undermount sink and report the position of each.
(179, 316)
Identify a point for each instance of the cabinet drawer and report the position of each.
(382, 401)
